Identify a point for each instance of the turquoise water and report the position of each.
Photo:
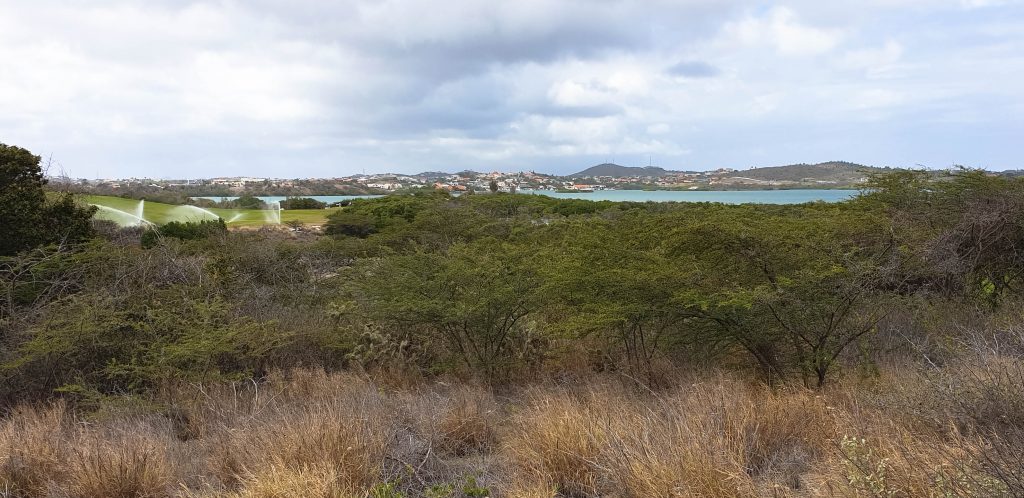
(725, 196)
(322, 198)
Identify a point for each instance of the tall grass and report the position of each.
(307, 433)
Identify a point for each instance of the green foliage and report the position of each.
(247, 201)
(21, 199)
(388, 489)
(473, 490)
(135, 343)
(302, 203)
(473, 298)
(499, 286)
(446, 490)
(27, 218)
(866, 472)
(189, 230)
(349, 224)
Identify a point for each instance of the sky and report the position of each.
(308, 88)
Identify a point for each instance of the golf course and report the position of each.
(131, 212)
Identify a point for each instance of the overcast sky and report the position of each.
(301, 88)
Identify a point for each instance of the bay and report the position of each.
(795, 196)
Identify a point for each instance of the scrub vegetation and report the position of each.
(525, 346)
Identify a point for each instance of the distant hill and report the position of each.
(433, 174)
(833, 171)
(611, 169)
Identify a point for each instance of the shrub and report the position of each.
(350, 224)
(99, 344)
(188, 230)
(302, 203)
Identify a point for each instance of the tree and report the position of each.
(21, 199)
(302, 203)
(614, 282)
(473, 298)
(27, 218)
(493, 186)
(184, 230)
(247, 201)
(795, 290)
(350, 224)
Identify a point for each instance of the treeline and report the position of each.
(510, 287)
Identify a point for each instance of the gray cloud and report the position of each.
(694, 69)
(260, 87)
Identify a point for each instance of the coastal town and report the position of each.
(596, 178)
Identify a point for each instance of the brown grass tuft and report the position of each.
(33, 448)
(133, 466)
(339, 435)
(345, 426)
(716, 439)
(467, 422)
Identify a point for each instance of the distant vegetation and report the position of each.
(512, 345)
(835, 171)
(302, 203)
(610, 169)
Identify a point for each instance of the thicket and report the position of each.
(28, 216)
(499, 286)
(302, 203)
(902, 306)
(183, 230)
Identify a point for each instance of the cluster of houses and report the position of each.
(466, 181)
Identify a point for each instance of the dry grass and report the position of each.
(49, 452)
(467, 421)
(134, 465)
(33, 449)
(716, 439)
(341, 435)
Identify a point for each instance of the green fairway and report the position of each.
(128, 212)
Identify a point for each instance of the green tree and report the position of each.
(27, 217)
(247, 201)
(794, 290)
(350, 224)
(302, 203)
(493, 186)
(184, 230)
(612, 280)
(21, 199)
(474, 298)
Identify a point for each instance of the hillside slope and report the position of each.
(616, 170)
(834, 171)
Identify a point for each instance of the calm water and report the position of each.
(726, 196)
(322, 198)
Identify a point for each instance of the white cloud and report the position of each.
(781, 28)
(212, 87)
(874, 61)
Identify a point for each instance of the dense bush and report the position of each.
(504, 286)
(302, 203)
(28, 216)
(184, 230)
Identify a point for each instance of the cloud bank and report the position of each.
(208, 88)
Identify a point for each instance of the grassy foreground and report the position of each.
(124, 211)
(344, 435)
